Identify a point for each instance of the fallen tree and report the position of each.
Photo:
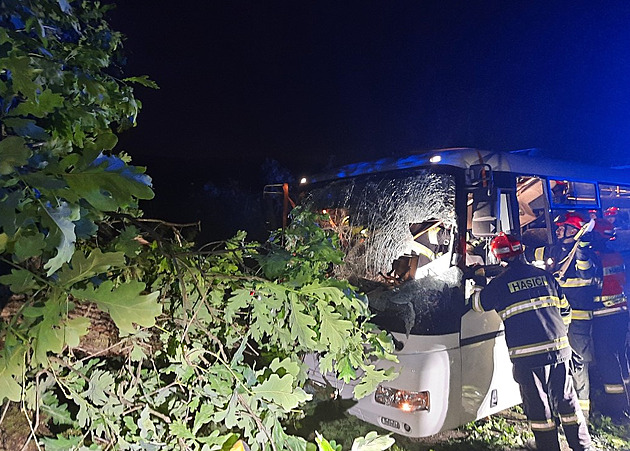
(118, 333)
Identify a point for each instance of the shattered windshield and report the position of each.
(398, 236)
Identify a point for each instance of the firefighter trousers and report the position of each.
(609, 333)
(581, 341)
(548, 391)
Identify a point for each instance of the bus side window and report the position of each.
(476, 248)
(505, 217)
(530, 195)
(616, 205)
(615, 209)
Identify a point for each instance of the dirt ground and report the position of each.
(14, 431)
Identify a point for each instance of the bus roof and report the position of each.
(517, 162)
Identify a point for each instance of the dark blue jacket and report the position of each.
(535, 313)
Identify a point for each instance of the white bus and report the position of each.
(409, 227)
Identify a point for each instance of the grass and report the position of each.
(609, 436)
(505, 431)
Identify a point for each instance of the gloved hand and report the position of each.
(585, 236)
(576, 364)
(586, 239)
(493, 270)
(477, 274)
(471, 271)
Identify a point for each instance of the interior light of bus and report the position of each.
(435, 159)
(302, 180)
(405, 400)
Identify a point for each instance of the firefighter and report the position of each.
(536, 313)
(610, 324)
(611, 214)
(430, 240)
(617, 217)
(575, 266)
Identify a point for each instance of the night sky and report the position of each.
(312, 84)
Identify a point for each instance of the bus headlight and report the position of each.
(407, 401)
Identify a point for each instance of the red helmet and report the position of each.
(611, 211)
(604, 229)
(571, 219)
(505, 246)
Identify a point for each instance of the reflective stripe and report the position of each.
(614, 388)
(545, 425)
(575, 282)
(539, 348)
(610, 270)
(581, 315)
(583, 265)
(564, 303)
(571, 419)
(476, 300)
(529, 305)
(611, 300)
(539, 253)
(566, 320)
(609, 297)
(585, 404)
(423, 250)
(610, 311)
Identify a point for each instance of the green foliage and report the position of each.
(607, 435)
(60, 105)
(227, 360)
(203, 348)
(497, 432)
(503, 431)
(372, 442)
(124, 303)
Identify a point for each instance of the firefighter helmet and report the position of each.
(604, 229)
(571, 219)
(611, 211)
(505, 246)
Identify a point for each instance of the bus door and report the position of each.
(487, 383)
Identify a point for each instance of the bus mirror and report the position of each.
(479, 175)
(484, 217)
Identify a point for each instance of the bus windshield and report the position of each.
(398, 235)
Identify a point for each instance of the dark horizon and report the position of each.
(316, 84)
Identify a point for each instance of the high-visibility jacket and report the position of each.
(535, 313)
(612, 298)
(582, 280)
(610, 326)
